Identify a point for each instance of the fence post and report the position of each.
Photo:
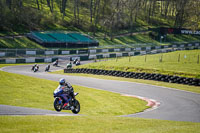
(179, 58)
(161, 58)
(145, 58)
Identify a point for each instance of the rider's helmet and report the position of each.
(62, 81)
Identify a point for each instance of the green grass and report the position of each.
(130, 41)
(21, 42)
(182, 38)
(100, 114)
(187, 66)
(88, 124)
(19, 90)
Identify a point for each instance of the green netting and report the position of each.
(80, 37)
(44, 37)
(62, 37)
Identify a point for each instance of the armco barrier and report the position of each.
(84, 58)
(27, 60)
(125, 54)
(145, 76)
(39, 60)
(112, 55)
(15, 52)
(2, 61)
(20, 61)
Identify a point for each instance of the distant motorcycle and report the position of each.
(55, 63)
(32, 68)
(47, 68)
(74, 62)
(36, 68)
(78, 63)
(73, 104)
(69, 65)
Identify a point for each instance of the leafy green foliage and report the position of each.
(107, 15)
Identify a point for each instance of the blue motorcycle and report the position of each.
(73, 104)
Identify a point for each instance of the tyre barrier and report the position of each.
(145, 76)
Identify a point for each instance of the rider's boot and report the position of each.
(72, 107)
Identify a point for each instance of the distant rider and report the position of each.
(47, 68)
(69, 65)
(66, 91)
(55, 63)
(33, 67)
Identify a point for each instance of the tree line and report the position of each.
(109, 16)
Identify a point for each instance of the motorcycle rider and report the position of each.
(55, 63)
(66, 91)
(36, 68)
(33, 67)
(47, 68)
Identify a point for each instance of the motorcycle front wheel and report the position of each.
(76, 105)
(57, 105)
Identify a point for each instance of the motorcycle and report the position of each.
(74, 62)
(36, 68)
(32, 68)
(55, 63)
(47, 68)
(78, 63)
(73, 104)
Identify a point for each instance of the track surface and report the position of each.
(175, 104)
(13, 110)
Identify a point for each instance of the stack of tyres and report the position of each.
(146, 76)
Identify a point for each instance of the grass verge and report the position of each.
(92, 124)
(181, 63)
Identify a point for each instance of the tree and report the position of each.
(38, 4)
(76, 11)
(96, 15)
(180, 12)
(63, 7)
(9, 3)
(91, 11)
(50, 5)
(107, 15)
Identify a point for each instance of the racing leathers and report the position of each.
(66, 91)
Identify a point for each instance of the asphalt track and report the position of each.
(175, 104)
